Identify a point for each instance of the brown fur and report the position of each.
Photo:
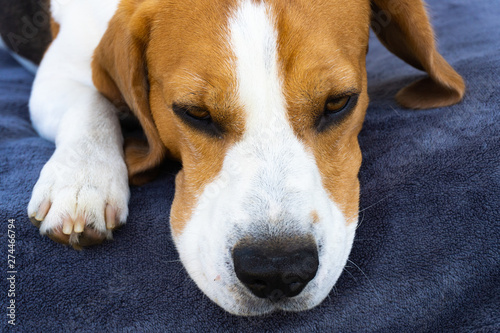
(171, 80)
(120, 73)
(318, 64)
(54, 28)
(156, 53)
(409, 35)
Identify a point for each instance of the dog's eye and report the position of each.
(198, 114)
(197, 117)
(335, 105)
(335, 110)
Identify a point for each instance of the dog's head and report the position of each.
(262, 102)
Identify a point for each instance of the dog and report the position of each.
(260, 100)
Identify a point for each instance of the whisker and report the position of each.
(352, 275)
(171, 261)
(361, 222)
(376, 203)
(367, 278)
(393, 109)
(334, 290)
(366, 208)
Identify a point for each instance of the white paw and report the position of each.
(82, 194)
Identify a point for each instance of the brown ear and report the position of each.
(403, 27)
(119, 73)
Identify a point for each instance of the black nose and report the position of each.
(276, 270)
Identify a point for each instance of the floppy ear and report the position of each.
(403, 27)
(119, 73)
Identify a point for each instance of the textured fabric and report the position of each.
(426, 257)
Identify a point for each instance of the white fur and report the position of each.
(87, 170)
(268, 186)
(269, 183)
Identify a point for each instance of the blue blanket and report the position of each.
(426, 257)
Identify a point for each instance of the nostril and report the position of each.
(257, 285)
(274, 270)
(295, 286)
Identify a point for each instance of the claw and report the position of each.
(75, 232)
(110, 217)
(79, 225)
(35, 222)
(67, 228)
(41, 213)
(43, 210)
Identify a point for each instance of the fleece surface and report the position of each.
(426, 257)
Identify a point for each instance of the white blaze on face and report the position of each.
(269, 184)
(253, 41)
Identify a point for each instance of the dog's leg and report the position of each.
(82, 193)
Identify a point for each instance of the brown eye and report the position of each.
(335, 105)
(198, 113)
(198, 118)
(335, 110)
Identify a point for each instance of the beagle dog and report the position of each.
(260, 100)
